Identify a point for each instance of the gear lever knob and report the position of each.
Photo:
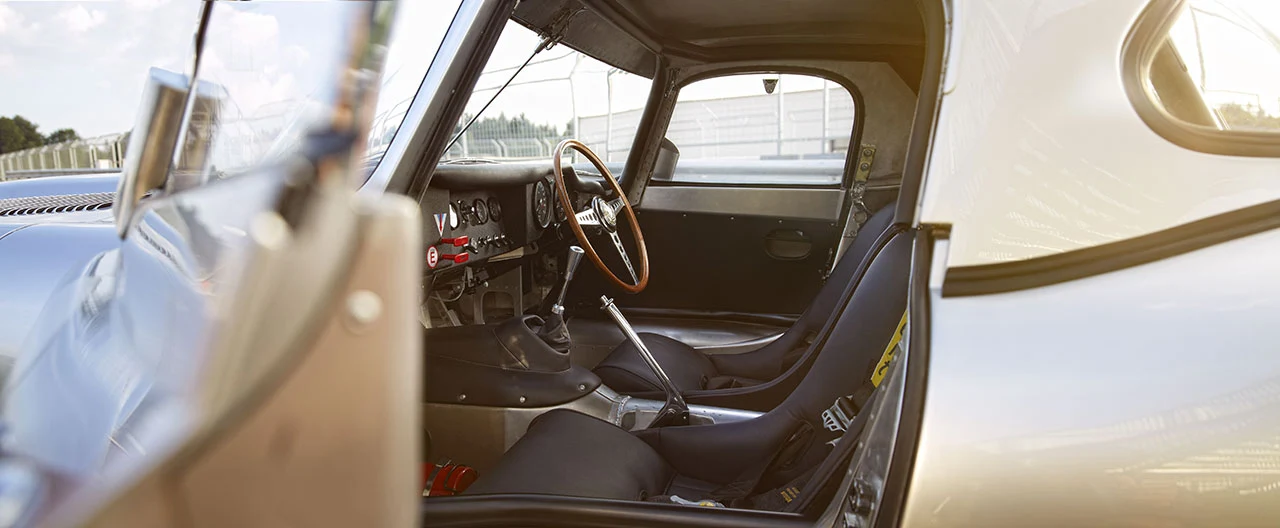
(575, 258)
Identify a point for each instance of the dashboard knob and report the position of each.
(456, 241)
(460, 258)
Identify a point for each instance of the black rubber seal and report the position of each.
(1063, 267)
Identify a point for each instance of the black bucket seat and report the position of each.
(573, 454)
(623, 370)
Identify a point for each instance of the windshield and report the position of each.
(561, 94)
(418, 31)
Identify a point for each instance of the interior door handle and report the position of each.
(788, 244)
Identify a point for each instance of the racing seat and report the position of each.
(623, 370)
(572, 454)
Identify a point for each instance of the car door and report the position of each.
(750, 217)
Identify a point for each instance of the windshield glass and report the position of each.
(561, 94)
(418, 31)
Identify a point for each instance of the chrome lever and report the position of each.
(575, 258)
(676, 411)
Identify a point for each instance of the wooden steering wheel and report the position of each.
(603, 214)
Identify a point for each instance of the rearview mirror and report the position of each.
(152, 148)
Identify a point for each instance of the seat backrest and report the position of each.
(860, 330)
(830, 294)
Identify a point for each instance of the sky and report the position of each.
(82, 64)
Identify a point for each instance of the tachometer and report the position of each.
(480, 210)
(542, 203)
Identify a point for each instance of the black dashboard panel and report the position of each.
(486, 223)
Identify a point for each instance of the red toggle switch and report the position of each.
(457, 259)
(456, 241)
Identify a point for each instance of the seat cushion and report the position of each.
(625, 371)
(569, 453)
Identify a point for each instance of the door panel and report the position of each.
(720, 254)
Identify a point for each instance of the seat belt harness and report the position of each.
(837, 417)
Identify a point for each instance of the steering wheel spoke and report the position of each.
(588, 218)
(617, 242)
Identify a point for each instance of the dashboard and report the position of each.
(469, 225)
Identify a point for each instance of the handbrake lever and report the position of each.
(676, 411)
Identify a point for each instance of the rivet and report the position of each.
(582, 387)
(462, 397)
(364, 307)
(522, 399)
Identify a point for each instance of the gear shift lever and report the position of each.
(676, 411)
(554, 332)
(575, 258)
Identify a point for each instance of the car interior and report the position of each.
(677, 320)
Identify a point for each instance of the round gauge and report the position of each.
(480, 210)
(453, 217)
(542, 203)
(495, 209)
(560, 216)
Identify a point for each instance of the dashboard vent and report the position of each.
(65, 203)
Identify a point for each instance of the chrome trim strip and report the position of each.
(805, 204)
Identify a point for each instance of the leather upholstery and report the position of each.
(599, 461)
(569, 454)
(625, 371)
(501, 365)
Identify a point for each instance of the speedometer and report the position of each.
(541, 204)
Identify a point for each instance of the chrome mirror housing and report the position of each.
(152, 153)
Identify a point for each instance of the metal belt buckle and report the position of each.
(837, 417)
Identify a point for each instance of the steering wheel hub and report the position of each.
(605, 212)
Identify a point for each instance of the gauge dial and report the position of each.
(495, 209)
(453, 217)
(560, 216)
(542, 204)
(480, 210)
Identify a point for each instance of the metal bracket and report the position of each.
(858, 212)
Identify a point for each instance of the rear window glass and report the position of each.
(766, 129)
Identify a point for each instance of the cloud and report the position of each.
(144, 5)
(8, 63)
(79, 20)
(14, 24)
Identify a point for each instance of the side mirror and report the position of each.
(153, 142)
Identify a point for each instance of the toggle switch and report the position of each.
(456, 241)
(460, 258)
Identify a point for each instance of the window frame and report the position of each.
(855, 135)
(1137, 55)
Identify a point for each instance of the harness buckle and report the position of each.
(837, 417)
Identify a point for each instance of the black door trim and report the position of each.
(555, 511)
(1063, 267)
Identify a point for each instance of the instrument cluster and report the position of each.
(473, 225)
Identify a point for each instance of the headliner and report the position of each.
(629, 33)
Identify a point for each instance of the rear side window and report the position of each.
(1213, 66)
(762, 129)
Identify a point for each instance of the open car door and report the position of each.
(200, 371)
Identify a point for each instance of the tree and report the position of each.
(29, 131)
(61, 136)
(1239, 116)
(17, 133)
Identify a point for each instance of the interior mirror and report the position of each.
(770, 85)
(152, 148)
